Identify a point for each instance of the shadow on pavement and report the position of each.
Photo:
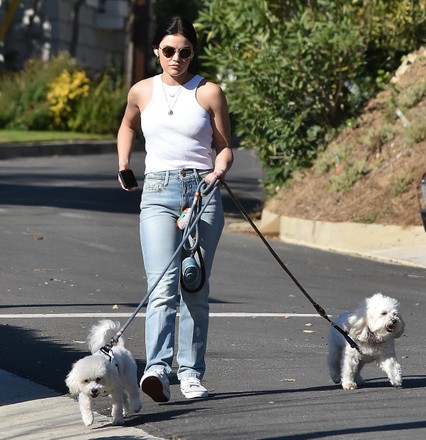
(31, 355)
(353, 431)
(93, 198)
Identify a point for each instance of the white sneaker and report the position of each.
(156, 384)
(192, 389)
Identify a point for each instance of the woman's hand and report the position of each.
(215, 175)
(129, 189)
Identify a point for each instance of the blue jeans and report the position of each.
(165, 195)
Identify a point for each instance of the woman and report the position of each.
(183, 118)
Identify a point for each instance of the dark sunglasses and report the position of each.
(169, 51)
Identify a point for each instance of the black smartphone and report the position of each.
(128, 179)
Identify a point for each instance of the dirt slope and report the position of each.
(371, 173)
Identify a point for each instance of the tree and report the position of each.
(294, 71)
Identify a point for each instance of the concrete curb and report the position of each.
(62, 148)
(35, 412)
(71, 148)
(387, 243)
(382, 242)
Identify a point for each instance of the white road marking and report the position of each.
(143, 315)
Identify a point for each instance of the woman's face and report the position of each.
(173, 53)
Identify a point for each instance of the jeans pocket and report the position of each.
(153, 185)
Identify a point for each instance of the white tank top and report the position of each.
(181, 140)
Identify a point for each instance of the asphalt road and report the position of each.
(70, 251)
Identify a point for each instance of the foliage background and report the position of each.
(59, 95)
(295, 72)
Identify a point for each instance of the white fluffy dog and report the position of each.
(99, 374)
(373, 326)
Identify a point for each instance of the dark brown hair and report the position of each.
(175, 25)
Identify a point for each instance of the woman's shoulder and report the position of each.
(210, 96)
(209, 88)
(142, 85)
(141, 92)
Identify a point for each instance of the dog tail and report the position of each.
(101, 334)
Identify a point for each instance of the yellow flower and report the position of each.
(64, 93)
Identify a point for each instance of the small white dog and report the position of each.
(113, 374)
(373, 326)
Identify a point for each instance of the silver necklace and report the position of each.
(171, 90)
(173, 98)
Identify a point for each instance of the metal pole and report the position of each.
(4, 27)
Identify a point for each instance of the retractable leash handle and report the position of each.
(116, 337)
(193, 272)
(317, 307)
(193, 276)
(206, 188)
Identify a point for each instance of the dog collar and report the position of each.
(373, 338)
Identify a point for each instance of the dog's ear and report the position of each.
(72, 382)
(358, 328)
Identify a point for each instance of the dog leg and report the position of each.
(85, 403)
(117, 407)
(132, 392)
(350, 369)
(393, 370)
(334, 363)
(133, 399)
(126, 408)
(358, 378)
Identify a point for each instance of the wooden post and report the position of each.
(140, 39)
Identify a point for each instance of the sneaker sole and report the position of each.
(153, 387)
(195, 395)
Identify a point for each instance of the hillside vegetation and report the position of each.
(371, 172)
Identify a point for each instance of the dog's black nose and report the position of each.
(93, 393)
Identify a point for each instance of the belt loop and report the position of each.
(197, 175)
(166, 178)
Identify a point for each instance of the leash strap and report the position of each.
(317, 307)
(107, 351)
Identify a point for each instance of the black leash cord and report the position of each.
(317, 307)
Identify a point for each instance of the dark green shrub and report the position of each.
(24, 94)
(101, 111)
(59, 95)
(294, 71)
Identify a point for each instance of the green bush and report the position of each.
(294, 71)
(400, 184)
(101, 111)
(59, 95)
(416, 131)
(24, 94)
(411, 96)
(350, 174)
